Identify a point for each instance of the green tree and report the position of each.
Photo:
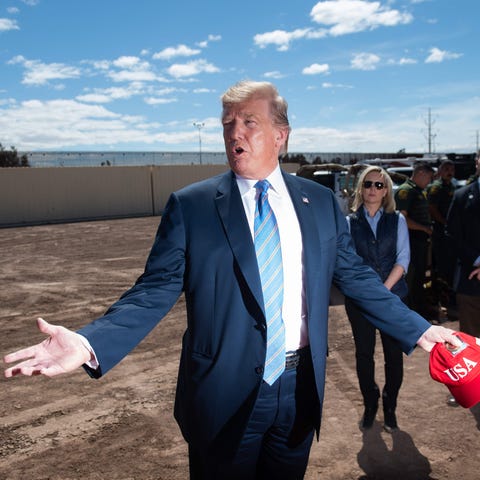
(10, 158)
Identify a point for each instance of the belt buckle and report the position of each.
(292, 360)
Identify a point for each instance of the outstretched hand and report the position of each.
(436, 334)
(62, 352)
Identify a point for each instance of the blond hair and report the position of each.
(388, 201)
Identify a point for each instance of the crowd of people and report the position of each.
(444, 226)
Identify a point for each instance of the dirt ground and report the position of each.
(121, 426)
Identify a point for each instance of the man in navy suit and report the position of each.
(463, 228)
(238, 425)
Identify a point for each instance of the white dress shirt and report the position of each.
(294, 305)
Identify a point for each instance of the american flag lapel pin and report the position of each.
(305, 200)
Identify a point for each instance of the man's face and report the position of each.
(447, 172)
(252, 142)
(424, 178)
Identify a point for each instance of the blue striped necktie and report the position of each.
(269, 258)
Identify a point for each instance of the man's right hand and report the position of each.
(62, 352)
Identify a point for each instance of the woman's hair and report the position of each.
(388, 201)
(246, 90)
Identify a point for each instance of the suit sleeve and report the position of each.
(141, 308)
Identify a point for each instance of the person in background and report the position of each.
(411, 200)
(473, 178)
(255, 251)
(440, 195)
(463, 228)
(380, 235)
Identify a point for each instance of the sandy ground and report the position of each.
(121, 427)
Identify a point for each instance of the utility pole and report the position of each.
(430, 135)
(199, 125)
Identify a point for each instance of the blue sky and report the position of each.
(359, 76)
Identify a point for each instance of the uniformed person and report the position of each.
(411, 200)
(440, 195)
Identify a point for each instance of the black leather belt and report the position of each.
(295, 358)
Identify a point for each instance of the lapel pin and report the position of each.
(305, 200)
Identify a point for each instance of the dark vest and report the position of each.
(379, 253)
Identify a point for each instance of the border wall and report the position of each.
(34, 196)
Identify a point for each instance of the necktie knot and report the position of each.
(262, 186)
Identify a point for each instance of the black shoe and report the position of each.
(369, 417)
(451, 402)
(390, 421)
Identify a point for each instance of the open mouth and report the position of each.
(239, 150)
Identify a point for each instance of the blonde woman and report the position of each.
(380, 235)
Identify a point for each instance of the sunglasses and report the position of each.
(369, 184)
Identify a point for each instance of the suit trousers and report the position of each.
(278, 436)
(364, 334)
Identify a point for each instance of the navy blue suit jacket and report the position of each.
(463, 227)
(204, 248)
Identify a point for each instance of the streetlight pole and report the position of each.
(199, 125)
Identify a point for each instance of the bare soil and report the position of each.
(121, 426)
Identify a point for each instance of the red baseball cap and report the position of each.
(458, 368)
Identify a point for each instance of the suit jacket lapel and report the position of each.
(232, 215)
(310, 239)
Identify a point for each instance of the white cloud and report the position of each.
(365, 61)
(282, 38)
(274, 74)
(203, 90)
(179, 70)
(159, 100)
(316, 69)
(335, 85)
(340, 17)
(101, 64)
(132, 76)
(37, 124)
(129, 62)
(407, 61)
(38, 73)
(13, 10)
(132, 69)
(402, 61)
(178, 51)
(439, 56)
(94, 98)
(349, 16)
(7, 24)
(107, 95)
(211, 38)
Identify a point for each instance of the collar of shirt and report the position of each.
(373, 221)
(277, 183)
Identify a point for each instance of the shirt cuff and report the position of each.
(93, 362)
